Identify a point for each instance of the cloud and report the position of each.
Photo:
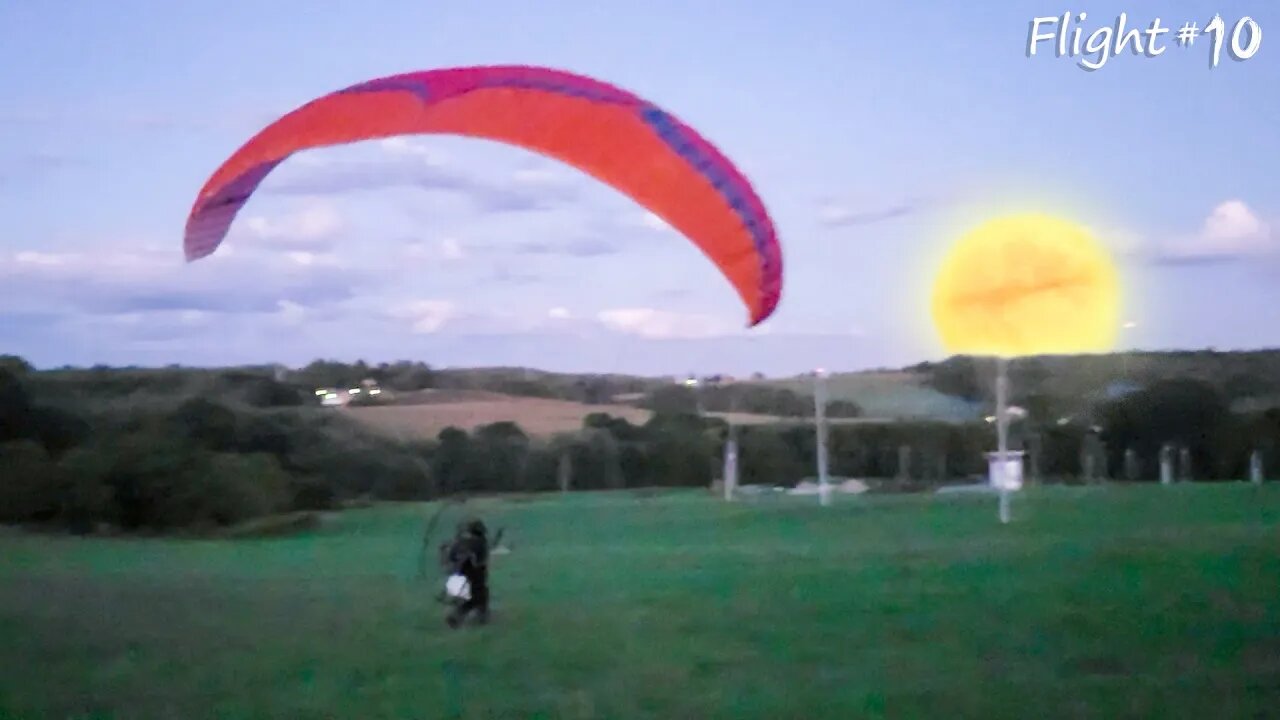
(660, 324)
(114, 118)
(833, 214)
(46, 259)
(1231, 232)
(644, 220)
(291, 312)
(451, 249)
(503, 274)
(34, 164)
(582, 248)
(878, 206)
(123, 281)
(425, 316)
(448, 248)
(315, 227)
(559, 313)
(448, 318)
(402, 163)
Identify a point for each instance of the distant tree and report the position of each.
(269, 392)
(206, 423)
(1187, 412)
(766, 459)
(606, 457)
(16, 365)
(844, 409)
(58, 430)
(449, 463)
(28, 492)
(15, 407)
(958, 376)
(1029, 375)
(1247, 385)
(1042, 408)
(593, 391)
(672, 400)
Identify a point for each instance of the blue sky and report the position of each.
(875, 133)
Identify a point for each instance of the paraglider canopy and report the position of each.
(612, 135)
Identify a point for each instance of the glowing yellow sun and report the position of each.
(1027, 285)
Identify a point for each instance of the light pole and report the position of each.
(692, 384)
(695, 385)
(1124, 359)
(731, 452)
(820, 423)
(1002, 433)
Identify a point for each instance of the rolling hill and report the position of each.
(424, 414)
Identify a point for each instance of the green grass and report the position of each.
(1100, 602)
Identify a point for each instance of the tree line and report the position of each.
(155, 451)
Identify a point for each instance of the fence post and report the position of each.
(1166, 464)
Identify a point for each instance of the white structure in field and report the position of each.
(1005, 475)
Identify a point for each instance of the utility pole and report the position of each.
(1002, 434)
(820, 423)
(731, 451)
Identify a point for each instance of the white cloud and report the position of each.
(660, 324)
(1231, 230)
(308, 259)
(538, 176)
(425, 316)
(122, 279)
(645, 220)
(39, 258)
(406, 147)
(451, 249)
(312, 226)
(417, 251)
(559, 313)
(867, 210)
(1233, 222)
(833, 214)
(125, 318)
(448, 248)
(290, 312)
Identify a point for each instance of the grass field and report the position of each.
(1099, 602)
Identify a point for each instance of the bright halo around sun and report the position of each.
(1027, 285)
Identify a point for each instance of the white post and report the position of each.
(731, 452)
(1166, 464)
(730, 468)
(1255, 467)
(1002, 433)
(820, 422)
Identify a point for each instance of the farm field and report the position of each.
(887, 394)
(537, 416)
(1135, 601)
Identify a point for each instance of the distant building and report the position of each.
(336, 397)
(330, 397)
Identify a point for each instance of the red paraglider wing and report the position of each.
(606, 132)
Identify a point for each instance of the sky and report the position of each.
(875, 133)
